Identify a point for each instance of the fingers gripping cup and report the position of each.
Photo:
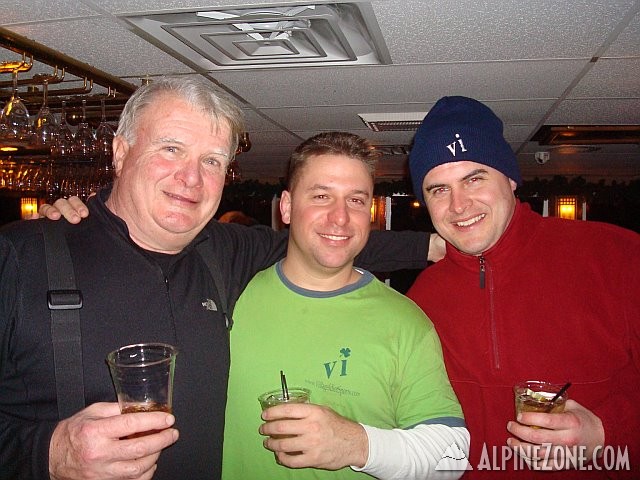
(143, 376)
(536, 396)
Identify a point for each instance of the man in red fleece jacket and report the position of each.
(520, 297)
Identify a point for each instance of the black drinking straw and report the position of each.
(558, 395)
(560, 392)
(283, 382)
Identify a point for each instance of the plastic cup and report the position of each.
(276, 397)
(143, 376)
(536, 396)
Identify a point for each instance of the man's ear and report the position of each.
(120, 150)
(285, 207)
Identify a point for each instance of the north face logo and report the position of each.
(210, 305)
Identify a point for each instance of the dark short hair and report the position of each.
(332, 143)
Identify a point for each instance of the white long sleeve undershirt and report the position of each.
(413, 454)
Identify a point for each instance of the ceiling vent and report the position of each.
(383, 122)
(268, 36)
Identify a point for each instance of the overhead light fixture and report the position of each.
(587, 134)
(573, 149)
(383, 122)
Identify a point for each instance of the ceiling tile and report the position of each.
(105, 44)
(18, 11)
(419, 83)
(319, 118)
(628, 42)
(610, 78)
(611, 111)
(467, 30)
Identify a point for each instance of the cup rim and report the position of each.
(279, 390)
(551, 388)
(111, 360)
(527, 383)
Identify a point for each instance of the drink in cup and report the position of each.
(291, 395)
(277, 397)
(143, 376)
(536, 396)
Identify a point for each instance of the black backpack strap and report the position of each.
(64, 301)
(206, 252)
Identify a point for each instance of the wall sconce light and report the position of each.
(374, 210)
(566, 207)
(378, 213)
(28, 206)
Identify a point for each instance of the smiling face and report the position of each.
(169, 182)
(328, 209)
(470, 204)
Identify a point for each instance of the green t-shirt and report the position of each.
(365, 350)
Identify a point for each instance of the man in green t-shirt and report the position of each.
(381, 402)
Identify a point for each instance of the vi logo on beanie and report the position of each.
(452, 146)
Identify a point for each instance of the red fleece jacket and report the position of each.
(561, 302)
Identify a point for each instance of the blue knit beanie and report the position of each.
(457, 129)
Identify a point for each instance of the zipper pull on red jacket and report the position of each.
(482, 271)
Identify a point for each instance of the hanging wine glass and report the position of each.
(15, 115)
(45, 124)
(60, 167)
(64, 142)
(3, 125)
(234, 173)
(84, 141)
(104, 133)
(104, 149)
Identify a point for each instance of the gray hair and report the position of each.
(200, 95)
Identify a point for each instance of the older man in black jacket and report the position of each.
(146, 262)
